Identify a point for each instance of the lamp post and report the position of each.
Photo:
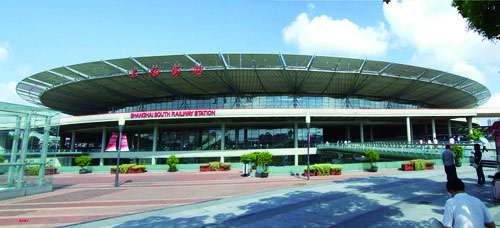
(121, 124)
(308, 123)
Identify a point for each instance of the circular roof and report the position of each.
(88, 87)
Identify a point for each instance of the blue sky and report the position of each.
(40, 35)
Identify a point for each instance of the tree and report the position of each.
(482, 17)
(172, 162)
(83, 161)
(476, 135)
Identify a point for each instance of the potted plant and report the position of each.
(252, 157)
(264, 174)
(83, 161)
(459, 152)
(172, 162)
(263, 161)
(372, 157)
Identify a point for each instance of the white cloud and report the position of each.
(8, 94)
(325, 35)
(3, 52)
(310, 6)
(440, 36)
(493, 102)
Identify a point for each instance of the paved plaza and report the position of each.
(389, 198)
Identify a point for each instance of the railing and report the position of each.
(394, 149)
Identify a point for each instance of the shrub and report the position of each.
(214, 165)
(124, 167)
(33, 170)
(226, 165)
(264, 158)
(336, 167)
(172, 161)
(2, 159)
(459, 152)
(419, 165)
(429, 163)
(252, 157)
(372, 156)
(139, 167)
(83, 161)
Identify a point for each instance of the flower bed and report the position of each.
(323, 170)
(417, 164)
(215, 166)
(129, 168)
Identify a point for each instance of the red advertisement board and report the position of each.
(112, 143)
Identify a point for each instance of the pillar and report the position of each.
(24, 151)
(449, 129)
(348, 129)
(362, 132)
(408, 129)
(45, 149)
(153, 161)
(13, 153)
(155, 138)
(296, 135)
(296, 159)
(469, 124)
(223, 139)
(72, 148)
(222, 159)
(103, 146)
(433, 129)
(371, 133)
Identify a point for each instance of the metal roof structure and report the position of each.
(87, 87)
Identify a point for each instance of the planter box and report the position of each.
(338, 172)
(311, 173)
(204, 169)
(136, 170)
(48, 171)
(429, 167)
(407, 167)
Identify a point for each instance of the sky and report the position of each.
(37, 36)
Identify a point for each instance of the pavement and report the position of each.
(388, 198)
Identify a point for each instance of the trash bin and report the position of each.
(246, 168)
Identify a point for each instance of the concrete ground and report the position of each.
(390, 198)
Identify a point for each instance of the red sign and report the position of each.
(176, 71)
(136, 115)
(112, 143)
(133, 75)
(154, 72)
(197, 70)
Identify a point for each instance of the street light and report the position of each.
(308, 123)
(121, 124)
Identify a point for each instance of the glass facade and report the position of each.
(261, 102)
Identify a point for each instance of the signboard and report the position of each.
(112, 143)
(154, 114)
(155, 71)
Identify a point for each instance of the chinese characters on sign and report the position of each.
(155, 71)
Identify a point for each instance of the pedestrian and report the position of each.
(463, 210)
(448, 158)
(478, 164)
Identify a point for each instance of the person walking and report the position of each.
(448, 158)
(478, 164)
(463, 210)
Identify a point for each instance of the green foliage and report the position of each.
(252, 157)
(2, 159)
(33, 170)
(336, 167)
(429, 163)
(419, 165)
(372, 156)
(476, 135)
(83, 161)
(482, 16)
(124, 167)
(264, 158)
(214, 165)
(226, 165)
(323, 169)
(459, 152)
(139, 167)
(172, 161)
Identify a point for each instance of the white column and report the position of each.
(469, 124)
(222, 159)
(155, 138)
(449, 129)
(103, 147)
(408, 129)
(296, 135)
(296, 158)
(73, 134)
(153, 161)
(223, 139)
(433, 129)
(362, 132)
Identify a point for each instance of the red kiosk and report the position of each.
(495, 129)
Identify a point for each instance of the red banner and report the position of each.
(112, 143)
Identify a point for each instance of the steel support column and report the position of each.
(13, 153)
(296, 135)
(155, 138)
(223, 139)
(408, 130)
(449, 129)
(45, 149)
(434, 136)
(103, 146)
(469, 124)
(73, 134)
(362, 132)
(24, 151)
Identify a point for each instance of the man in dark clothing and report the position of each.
(448, 158)
(479, 165)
